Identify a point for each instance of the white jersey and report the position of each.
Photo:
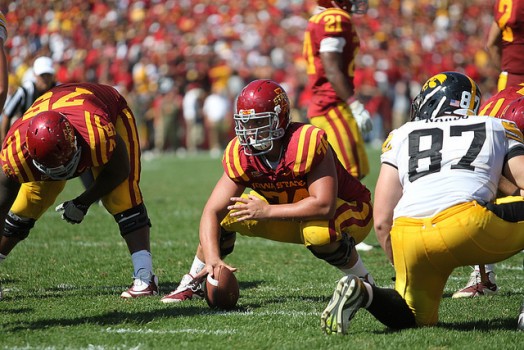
(443, 163)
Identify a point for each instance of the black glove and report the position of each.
(72, 212)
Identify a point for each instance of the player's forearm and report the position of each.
(304, 210)
(382, 230)
(210, 239)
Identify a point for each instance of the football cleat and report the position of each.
(477, 288)
(139, 288)
(185, 291)
(349, 296)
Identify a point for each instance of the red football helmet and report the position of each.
(515, 113)
(51, 142)
(351, 6)
(262, 115)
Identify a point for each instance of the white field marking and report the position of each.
(280, 313)
(175, 331)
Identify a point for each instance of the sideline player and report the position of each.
(300, 193)
(437, 182)
(70, 129)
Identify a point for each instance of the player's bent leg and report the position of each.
(134, 227)
(16, 229)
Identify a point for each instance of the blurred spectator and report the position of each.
(193, 103)
(167, 115)
(218, 115)
(137, 43)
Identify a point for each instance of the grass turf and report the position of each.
(62, 285)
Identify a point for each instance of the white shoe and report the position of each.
(363, 247)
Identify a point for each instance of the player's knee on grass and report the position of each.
(340, 256)
(132, 219)
(227, 242)
(17, 227)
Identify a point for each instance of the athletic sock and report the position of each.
(142, 264)
(196, 267)
(359, 270)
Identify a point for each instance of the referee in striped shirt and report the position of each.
(28, 92)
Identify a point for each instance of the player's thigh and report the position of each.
(34, 198)
(281, 231)
(417, 279)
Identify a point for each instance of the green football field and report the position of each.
(62, 285)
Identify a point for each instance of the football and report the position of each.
(222, 292)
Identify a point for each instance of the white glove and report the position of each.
(3, 27)
(72, 212)
(362, 116)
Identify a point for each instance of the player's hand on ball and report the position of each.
(72, 212)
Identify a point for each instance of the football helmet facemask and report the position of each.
(262, 115)
(351, 6)
(446, 94)
(515, 112)
(51, 143)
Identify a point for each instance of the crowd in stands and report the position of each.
(180, 63)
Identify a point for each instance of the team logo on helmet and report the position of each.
(434, 81)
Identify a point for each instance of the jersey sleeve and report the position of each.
(309, 145)
(232, 162)
(514, 137)
(390, 149)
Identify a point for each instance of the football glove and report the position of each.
(72, 212)
(362, 116)
(3, 27)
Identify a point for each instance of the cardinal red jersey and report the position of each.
(498, 103)
(330, 23)
(92, 109)
(509, 15)
(305, 146)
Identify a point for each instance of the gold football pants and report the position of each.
(353, 218)
(425, 251)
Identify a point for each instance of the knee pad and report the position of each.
(341, 255)
(227, 242)
(17, 227)
(132, 219)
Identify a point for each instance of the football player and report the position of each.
(299, 192)
(331, 45)
(437, 182)
(505, 42)
(71, 129)
(482, 280)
